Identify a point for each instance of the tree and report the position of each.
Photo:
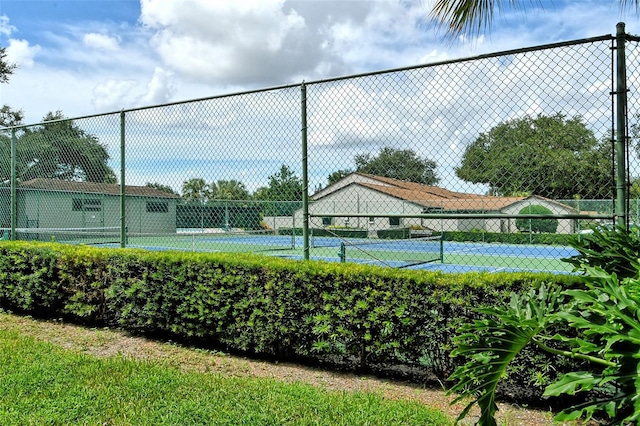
(196, 190)
(231, 190)
(261, 193)
(399, 164)
(284, 186)
(10, 117)
(59, 150)
(553, 157)
(337, 175)
(161, 187)
(6, 68)
(284, 193)
(471, 17)
(536, 225)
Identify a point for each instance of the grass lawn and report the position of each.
(42, 383)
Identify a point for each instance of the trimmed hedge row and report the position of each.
(362, 315)
(327, 232)
(507, 238)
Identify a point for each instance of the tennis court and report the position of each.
(429, 253)
(421, 253)
(456, 256)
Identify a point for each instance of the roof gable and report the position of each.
(427, 196)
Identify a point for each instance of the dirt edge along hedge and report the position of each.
(356, 315)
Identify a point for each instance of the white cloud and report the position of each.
(100, 42)
(21, 53)
(5, 28)
(260, 42)
(160, 88)
(111, 95)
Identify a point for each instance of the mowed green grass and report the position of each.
(42, 384)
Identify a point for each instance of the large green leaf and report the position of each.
(490, 346)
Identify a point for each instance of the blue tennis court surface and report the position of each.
(411, 253)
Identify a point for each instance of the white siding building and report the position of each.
(362, 194)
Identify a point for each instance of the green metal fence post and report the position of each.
(14, 197)
(123, 193)
(621, 128)
(305, 175)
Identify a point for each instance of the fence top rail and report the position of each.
(606, 37)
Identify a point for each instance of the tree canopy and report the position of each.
(6, 68)
(550, 156)
(230, 190)
(284, 185)
(283, 194)
(337, 175)
(196, 190)
(8, 116)
(472, 17)
(59, 149)
(536, 225)
(161, 187)
(403, 164)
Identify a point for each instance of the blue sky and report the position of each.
(84, 57)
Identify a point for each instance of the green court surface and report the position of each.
(426, 254)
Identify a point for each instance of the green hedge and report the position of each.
(358, 314)
(327, 232)
(394, 233)
(507, 238)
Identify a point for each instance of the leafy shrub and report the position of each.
(327, 232)
(394, 233)
(616, 251)
(536, 225)
(358, 316)
(604, 315)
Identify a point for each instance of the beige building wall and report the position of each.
(565, 226)
(59, 209)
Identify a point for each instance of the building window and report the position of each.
(157, 207)
(86, 204)
(394, 221)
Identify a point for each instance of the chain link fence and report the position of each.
(489, 163)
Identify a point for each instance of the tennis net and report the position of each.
(95, 235)
(218, 241)
(399, 253)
